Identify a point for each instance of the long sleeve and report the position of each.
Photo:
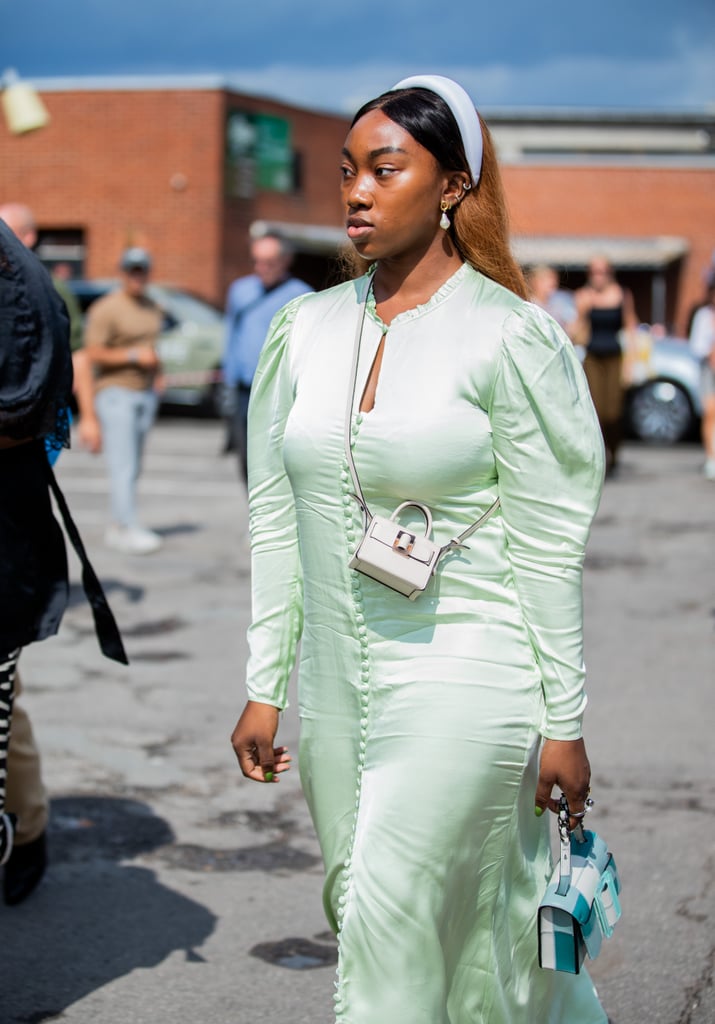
(277, 583)
(236, 298)
(228, 318)
(550, 464)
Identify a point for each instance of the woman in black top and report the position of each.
(605, 309)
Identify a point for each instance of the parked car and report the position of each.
(190, 345)
(666, 405)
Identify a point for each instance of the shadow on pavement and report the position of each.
(112, 587)
(94, 918)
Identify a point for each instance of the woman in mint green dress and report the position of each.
(434, 731)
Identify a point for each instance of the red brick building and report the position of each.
(188, 167)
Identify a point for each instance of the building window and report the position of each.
(62, 250)
(258, 154)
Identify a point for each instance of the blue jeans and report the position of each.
(126, 417)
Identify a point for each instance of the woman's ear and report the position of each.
(458, 185)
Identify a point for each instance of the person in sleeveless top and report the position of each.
(604, 310)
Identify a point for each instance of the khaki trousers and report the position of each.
(26, 795)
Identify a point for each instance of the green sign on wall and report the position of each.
(259, 154)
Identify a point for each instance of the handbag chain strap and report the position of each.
(565, 833)
(456, 542)
(565, 847)
(358, 493)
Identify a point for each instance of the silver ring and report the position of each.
(587, 807)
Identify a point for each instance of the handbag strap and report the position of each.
(456, 542)
(358, 493)
(565, 847)
(108, 635)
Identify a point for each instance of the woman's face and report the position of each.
(600, 274)
(391, 190)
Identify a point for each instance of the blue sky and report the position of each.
(328, 55)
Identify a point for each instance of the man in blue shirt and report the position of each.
(251, 304)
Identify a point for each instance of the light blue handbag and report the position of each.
(581, 905)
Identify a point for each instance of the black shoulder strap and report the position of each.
(108, 635)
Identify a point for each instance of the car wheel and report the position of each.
(660, 411)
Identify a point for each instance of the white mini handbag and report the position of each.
(400, 558)
(397, 557)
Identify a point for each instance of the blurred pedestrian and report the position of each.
(26, 797)
(21, 220)
(89, 433)
(544, 289)
(702, 343)
(708, 278)
(35, 390)
(251, 304)
(604, 311)
(121, 342)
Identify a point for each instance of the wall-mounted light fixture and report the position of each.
(24, 110)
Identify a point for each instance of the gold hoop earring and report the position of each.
(444, 221)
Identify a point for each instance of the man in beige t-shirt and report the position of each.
(120, 339)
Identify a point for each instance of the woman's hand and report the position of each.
(564, 764)
(252, 740)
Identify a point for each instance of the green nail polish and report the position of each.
(538, 811)
(268, 776)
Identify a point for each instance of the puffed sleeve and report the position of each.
(550, 464)
(277, 581)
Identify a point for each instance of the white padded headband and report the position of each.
(463, 109)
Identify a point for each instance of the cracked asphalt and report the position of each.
(177, 892)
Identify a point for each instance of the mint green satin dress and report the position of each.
(421, 721)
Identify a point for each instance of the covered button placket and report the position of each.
(352, 538)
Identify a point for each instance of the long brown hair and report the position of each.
(481, 225)
(480, 222)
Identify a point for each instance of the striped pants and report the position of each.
(8, 667)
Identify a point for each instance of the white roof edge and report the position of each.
(108, 83)
(319, 238)
(654, 252)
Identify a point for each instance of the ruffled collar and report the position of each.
(434, 300)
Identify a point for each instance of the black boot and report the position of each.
(24, 870)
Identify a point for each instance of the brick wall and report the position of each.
(127, 168)
(146, 167)
(621, 201)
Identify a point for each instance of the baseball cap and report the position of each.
(135, 257)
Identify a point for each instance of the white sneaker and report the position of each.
(709, 469)
(132, 540)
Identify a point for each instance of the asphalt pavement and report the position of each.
(178, 892)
